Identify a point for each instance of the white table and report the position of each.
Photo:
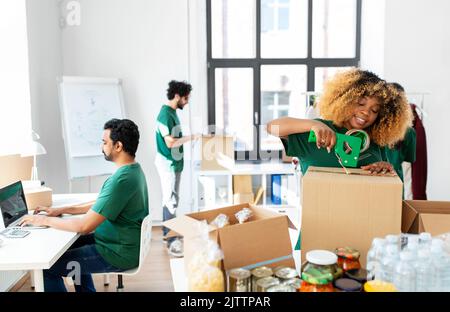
(42, 247)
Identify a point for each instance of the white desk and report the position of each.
(42, 247)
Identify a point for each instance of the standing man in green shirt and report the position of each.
(169, 157)
(115, 218)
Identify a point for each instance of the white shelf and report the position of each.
(206, 184)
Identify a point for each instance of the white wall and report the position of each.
(145, 43)
(417, 55)
(408, 41)
(373, 35)
(45, 59)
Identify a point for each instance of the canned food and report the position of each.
(266, 282)
(348, 258)
(239, 280)
(347, 285)
(359, 275)
(294, 282)
(259, 273)
(281, 288)
(285, 273)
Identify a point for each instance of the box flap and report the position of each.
(184, 225)
(339, 170)
(428, 206)
(210, 215)
(264, 213)
(254, 242)
(436, 224)
(409, 214)
(356, 176)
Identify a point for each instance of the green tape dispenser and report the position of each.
(347, 148)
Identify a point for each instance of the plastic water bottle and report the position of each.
(413, 246)
(425, 272)
(405, 274)
(424, 240)
(374, 258)
(441, 264)
(388, 264)
(392, 240)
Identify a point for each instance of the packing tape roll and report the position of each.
(359, 133)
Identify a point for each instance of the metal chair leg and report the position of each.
(119, 283)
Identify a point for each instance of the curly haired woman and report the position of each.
(353, 99)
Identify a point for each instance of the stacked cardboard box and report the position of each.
(242, 189)
(340, 210)
(217, 152)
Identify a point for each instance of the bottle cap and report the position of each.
(321, 257)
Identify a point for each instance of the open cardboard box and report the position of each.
(340, 210)
(426, 216)
(262, 240)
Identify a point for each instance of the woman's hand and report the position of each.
(380, 167)
(326, 137)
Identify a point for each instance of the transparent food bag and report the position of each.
(204, 271)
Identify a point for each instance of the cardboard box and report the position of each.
(242, 184)
(426, 216)
(14, 168)
(242, 198)
(38, 197)
(217, 152)
(341, 210)
(247, 244)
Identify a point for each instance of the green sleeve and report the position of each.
(295, 144)
(165, 125)
(112, 198)
(409, 146)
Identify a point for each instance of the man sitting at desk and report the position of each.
(115, 218)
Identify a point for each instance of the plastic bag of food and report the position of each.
(243, 215)
(221, 220)
(204, 272)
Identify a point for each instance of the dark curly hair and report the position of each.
(345, 89)
(182, 88)
(125, 131)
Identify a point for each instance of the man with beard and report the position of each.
(169, 156)
(115, 218)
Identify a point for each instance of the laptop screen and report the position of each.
(12, 203)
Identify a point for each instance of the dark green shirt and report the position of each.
(404, 151)
(297, 145)
(169, 124)
(123, 201)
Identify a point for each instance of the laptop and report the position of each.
(13, 207)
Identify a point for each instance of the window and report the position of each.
(266, 56)
(274, 15)
(15, 109)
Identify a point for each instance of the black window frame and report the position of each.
(257, 62)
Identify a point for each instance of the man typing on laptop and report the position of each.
(115, 218)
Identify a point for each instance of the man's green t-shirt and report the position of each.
(404, 151)
(123, 201)
(297, 145)
(169, 124)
